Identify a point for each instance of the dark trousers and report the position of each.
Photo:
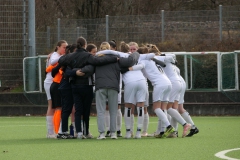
(67, 105)
(82, 96)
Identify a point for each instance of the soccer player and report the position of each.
(113, 46)
(52, 60)
(186, 116)
(175, 92)
(161, 89)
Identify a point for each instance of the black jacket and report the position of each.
(82, 58)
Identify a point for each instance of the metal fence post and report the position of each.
(59, 29)
(107, 28)
(186, 71)
(219, 71)
(32, 44)
(162, 13)
(236, 70)
(31, 29)
(48, 36)
(220, 22)
(24, 28)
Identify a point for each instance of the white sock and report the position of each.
(163, 125)
(50, 127)
(107, 120)
(169, 117)
(174, 123)
(80, 134)
(175, 114)
(140, 112)
(60, 128)
(159, 126)
(145, 122)
(127, 118)
(161, 115)
(82, 125)
(188, 119)
(119, 120)
(132, 122)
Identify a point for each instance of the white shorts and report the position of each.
(161, 93)
(176, 91)
(181, 100)
(47, 90)
(135, 92)
(166, 93)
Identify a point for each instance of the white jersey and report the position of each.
(184, 87)
(181, 78)
(51, 61)
(170, 68)
(155, 74)
(130, 76)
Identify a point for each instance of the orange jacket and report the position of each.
(58, 76)
(50, 67)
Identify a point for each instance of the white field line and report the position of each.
(221, 154)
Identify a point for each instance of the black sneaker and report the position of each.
(192, 132)
(160, 135)
(65, 136)
(119, 134)
(108, 134)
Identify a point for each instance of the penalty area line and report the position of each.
(221, 154)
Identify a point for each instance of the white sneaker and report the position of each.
(152, 135)
(144, 134)
(113, 135)
(138, 135)
(89, 136)
(101, 136)
(80, 136)
(51, 136)
(128, 135)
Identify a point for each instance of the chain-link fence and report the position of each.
(13, 28)
(13, 41)
(186, 27)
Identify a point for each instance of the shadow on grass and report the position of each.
(69, 141)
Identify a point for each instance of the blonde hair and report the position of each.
(105, 46)
(124, 47)
(133, 44)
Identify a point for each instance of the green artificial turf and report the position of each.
(24, 138)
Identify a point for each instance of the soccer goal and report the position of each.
(34, 73)
(201, 70)
(229, 71)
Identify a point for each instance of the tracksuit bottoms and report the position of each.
(102, 96)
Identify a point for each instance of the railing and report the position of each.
(187, 67)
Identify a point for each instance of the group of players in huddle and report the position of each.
(77, 72)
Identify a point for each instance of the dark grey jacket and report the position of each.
(108, 76)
